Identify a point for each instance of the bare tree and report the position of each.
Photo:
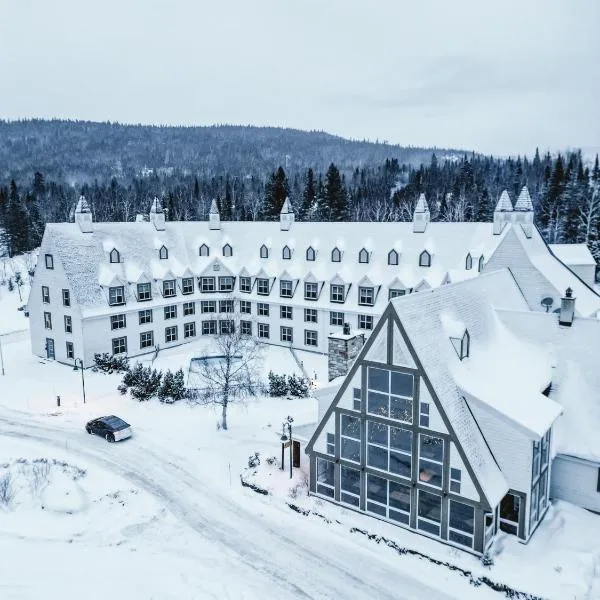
(589, 213)
(233, 374)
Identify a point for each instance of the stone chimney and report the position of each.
(524, 212)
(157, 215)
(83, 216)
(421, 215)
(503, 213)
(214, 219)
(567, 309)
(286, 216)
(343, 349)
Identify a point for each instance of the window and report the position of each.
(169, 288)
(363, 256)
(189, 329)
(49, 261)
(424, 259)
(429, 514)
(350, 485)
(330, 443)
(204, 250)
(69, 324)
(245, 285)
(66, 298)
(285, 288)
(286, 334)
(118, 321)
(431, 460)
(311, 291)
(170, 312)
(365, 322)
(389, 394)
(246, 327)
(336, 318)
(389, 449)
(545, 448)
(262, 287)
(480, 264)
(226, 284)
(209, 327)
(455, 476)
(144, 316)
(208, 306)
(396, 293)
(116, 295)
(45, 294)
(336, 293)
(119, 345)
(246, 307)
(227, 250)
(114, 256)
(144, 292)
(350, 438)
(461, 524)
(392, 257)
(285, 312)
(189, 308)
(310, 254)
(225, 306)
(310, 315)
(146, 339)
(366, 296)
(469, 262)
(262, 309)
(207, 285)
(325, 477)
(424, 415)
(356, 398)
(47, 320)
(310, 337)
(70, 350)
(286, 253)
(226, 326)
(465, 343)
(264, 252)
(388, 499)
(187, 285)
(163, 253)
(336, 255)
(171, 334)
(263, 330)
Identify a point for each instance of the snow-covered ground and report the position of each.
(12, 319)
(163, 514)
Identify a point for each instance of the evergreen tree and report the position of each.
(309, 197)
(16, 223)
(276, 191)
(335, 200)
(165, 391)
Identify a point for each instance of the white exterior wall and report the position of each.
(575, 480)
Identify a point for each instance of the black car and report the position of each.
(111, 428)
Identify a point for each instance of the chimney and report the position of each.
(346, 328)
(157, 215)
(524, 212)
(286, 216)
(342, 350)
(567, 309)
(83, 216)
(421, 215)
(214, 219)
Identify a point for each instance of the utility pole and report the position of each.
(1, 356)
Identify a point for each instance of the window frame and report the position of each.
(311, 338)
(226, 306)
(245, 327)
(49, 261)
(365, 322)
(245, 285)
(47, 320)
(189, 308)
(308, 296)
(66, 297)
(393, 258)
(210, 325)
(169, 288)
(144, 340)
(116, 342)
(113, 294)
(264, 251)
(208, 307)
(286, 288)
(334, 294)
(245, 307)
(263, 287)
(146, 291)
(263, 331)
(286, 253)
(70, 350)
(143, 314)
(189, 329)
(208, 284)
(311, 315)
(204, 250)
(363, 256)
(364, 292)
(286, 332)
(163, 253)
(169, 331)
(114, 253)
(468, 262)
(311, 254)
(395, 293)
(118, 321)
(286, 312)
(226, 283)
(187, 285)
(45, 294)
(263, 309)
(422, 262)
(227, 250)
(68, 321)
(169, 312)
(338, 255)
(336, 318)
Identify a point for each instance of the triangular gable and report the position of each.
(221, 269)
(287, 276)
(337, 280)
(378, 352)
(366, 282)
(400, 354)
(397, 284)
(310, 278)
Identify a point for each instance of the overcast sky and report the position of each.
(497, 77)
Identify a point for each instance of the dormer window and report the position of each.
(336, 255)
(286, 253)
(363, 256)
(227, 250)
(264, 252)
(310, 254)
(163, 253)
(392, 257)
(468, 262)
(204, 250)
(115, 257)
(480, 264)
(462, 345)
(425, 259)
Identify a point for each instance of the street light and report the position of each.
(284, 438)
(78, 360)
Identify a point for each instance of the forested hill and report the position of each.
(80, 151)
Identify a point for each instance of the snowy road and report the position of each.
(278, 553)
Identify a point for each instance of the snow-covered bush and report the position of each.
(487, 560)
(172, 387)
(108, 363)
(6, 489)
(278, 385)
(11, 284)
(39, 475)
(254, 460)
(297, 386)
(141, 382)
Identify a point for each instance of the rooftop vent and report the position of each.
(567, 309)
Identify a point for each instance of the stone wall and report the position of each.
(341, 353)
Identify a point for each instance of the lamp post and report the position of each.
(78, 360)
(287, 438)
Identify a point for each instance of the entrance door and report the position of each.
(296, 454)
(50, 348)
(510, 509)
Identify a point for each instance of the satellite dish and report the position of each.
(547, 303)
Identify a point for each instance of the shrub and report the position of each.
(254, 460)
(298, 386)
(6, 489)
(173, 387)
(141, 382)
(108, 363)
(278, 385)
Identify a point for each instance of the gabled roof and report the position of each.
(573, 254)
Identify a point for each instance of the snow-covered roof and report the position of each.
(524, 200)
(573, 254)
(504, 203)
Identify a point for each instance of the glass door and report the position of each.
(510, 508)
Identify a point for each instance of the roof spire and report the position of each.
(421, 204)
(504, 203)
(524, 201)
(421, 215)
(286, 216)
(214, 209)
(83, 216)
(157, 215)
(214, 219)
(285, 209)
(82, 206)
(156, 206)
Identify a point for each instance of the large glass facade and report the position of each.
(350, 437)
(389, 448)
(388, 499)
(390, 394)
